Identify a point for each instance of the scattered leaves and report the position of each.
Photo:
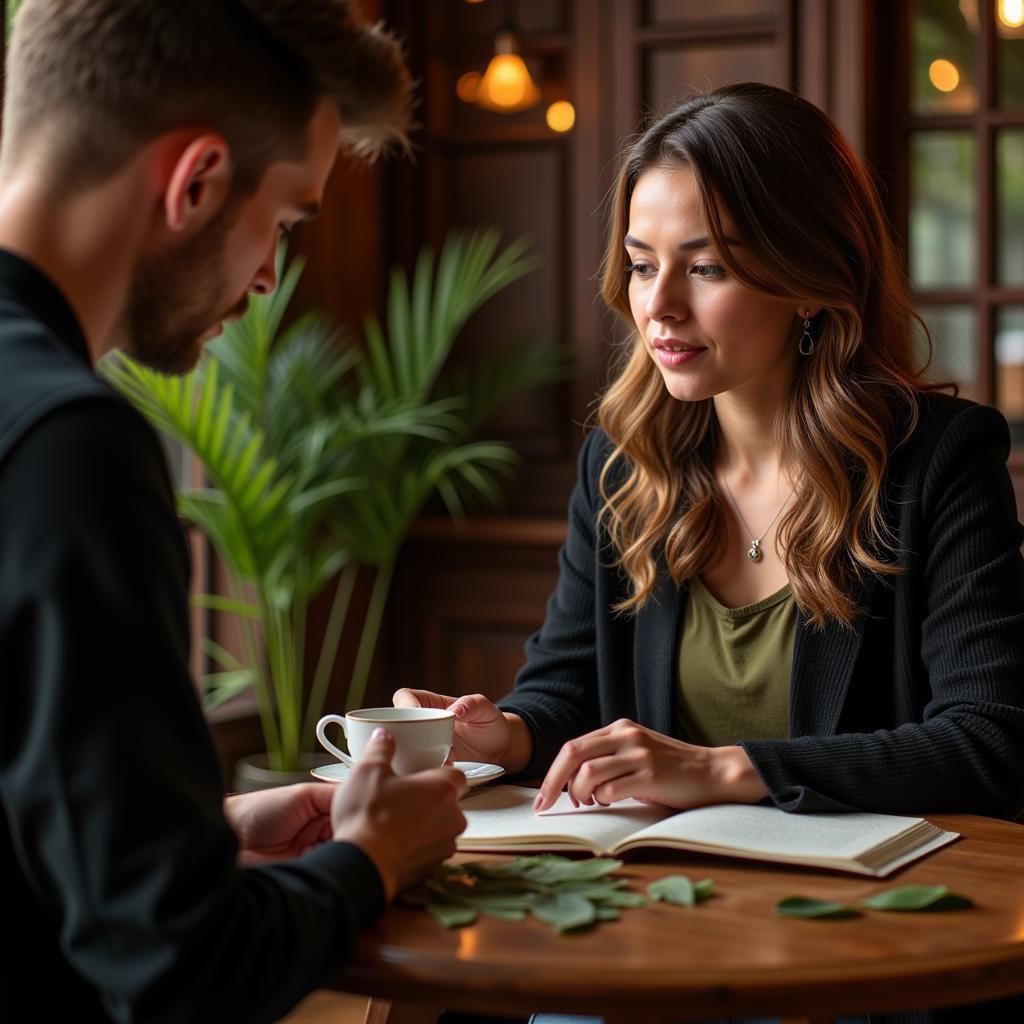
(565, 894)
(917, 898)
(680, 890)
(906, 898)
(804, 906)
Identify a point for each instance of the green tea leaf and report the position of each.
(704, 889)
(562, 869)
(594, 890)
(803, 906)
(619, 898)
(676, 889)
(606, 914)
(564, 911)
(449, 916)
(917, 898)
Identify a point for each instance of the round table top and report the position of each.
(731, 954)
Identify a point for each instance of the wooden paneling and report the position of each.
(463, 607)
(484, 185)
(674, 12)
(676, 74)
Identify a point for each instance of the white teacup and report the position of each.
(423, 736)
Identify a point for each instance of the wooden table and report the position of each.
(729, 956)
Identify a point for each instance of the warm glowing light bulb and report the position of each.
(1011, 13)
(943, 75)
(561, 116)
(506, 84)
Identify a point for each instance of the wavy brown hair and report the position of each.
(804, 205)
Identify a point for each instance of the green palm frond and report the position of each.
(423, 320)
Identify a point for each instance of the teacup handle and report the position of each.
(321, 735)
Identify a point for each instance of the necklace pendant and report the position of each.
(754, 554)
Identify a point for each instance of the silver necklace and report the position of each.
(754, 553)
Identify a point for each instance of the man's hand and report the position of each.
(406, 824)
(628, 760)
(275, 824)
(482, 731)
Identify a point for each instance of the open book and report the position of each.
(502, 819)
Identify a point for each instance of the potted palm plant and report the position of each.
(319, 455)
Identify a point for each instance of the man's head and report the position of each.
(94, 80)
(225, 116)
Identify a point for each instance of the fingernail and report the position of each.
(380, 734)
(460, 710)
(538, 803)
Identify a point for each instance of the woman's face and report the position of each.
(706, 332)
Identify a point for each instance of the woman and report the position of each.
(793, 568)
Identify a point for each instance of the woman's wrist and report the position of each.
(734, 777)
(519, 751)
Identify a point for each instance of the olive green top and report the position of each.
(733, 670)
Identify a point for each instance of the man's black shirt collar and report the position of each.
(25, 285)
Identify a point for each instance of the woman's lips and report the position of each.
(675, 353)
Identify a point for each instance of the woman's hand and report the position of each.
(627, 760)
(482, 732)
(275, 824)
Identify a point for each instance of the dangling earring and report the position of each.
(806, 340)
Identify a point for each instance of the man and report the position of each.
(152, 152)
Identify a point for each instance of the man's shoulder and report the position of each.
(40, 377)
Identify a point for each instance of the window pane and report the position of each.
(942, 75)
(1010, 56)
(1010, 205)
(1010, 367)
(943, 231)
(953, 330)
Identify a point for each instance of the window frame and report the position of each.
(896, 125)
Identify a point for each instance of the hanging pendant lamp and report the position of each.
(506, 86)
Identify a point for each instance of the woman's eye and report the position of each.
(707, 271)
(641, 270)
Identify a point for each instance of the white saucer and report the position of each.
(476, 772)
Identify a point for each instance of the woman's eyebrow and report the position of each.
(693, 243)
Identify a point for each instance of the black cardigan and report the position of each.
(919, 708)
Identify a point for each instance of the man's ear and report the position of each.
(198, 185)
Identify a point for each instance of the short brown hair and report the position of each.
(103, 77)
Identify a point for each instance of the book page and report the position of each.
(505, 814)
(773, 832)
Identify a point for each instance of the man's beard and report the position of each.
(177, 296)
